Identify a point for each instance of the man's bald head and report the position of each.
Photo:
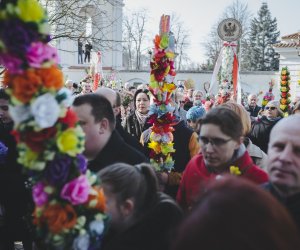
(284, 155)
(108, 93)
(112, 96)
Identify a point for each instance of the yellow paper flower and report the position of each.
(235, 170)
(169, 87)
(282, 106)
(155, 146)
(167, 148)
(30, 11)
(170, 54)
(71, 141)
(264, 102)
(29, 158)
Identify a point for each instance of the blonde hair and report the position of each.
(242, 113)
(277, 105)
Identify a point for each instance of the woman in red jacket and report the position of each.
(222, 151)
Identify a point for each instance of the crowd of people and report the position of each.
(235, 182)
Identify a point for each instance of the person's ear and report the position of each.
(239, 142)
(103, 125)
(127, 207)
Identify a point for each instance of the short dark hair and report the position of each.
(228, 121)
(145, 91)
(3, 94)
(101, 107)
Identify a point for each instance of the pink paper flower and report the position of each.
(76, 191)
(40, 53)
(40, 197)
(12, 63)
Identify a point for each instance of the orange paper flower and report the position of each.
(99, 198)
(157, 41)
(24, 86)
(52, 77)
(58, 217)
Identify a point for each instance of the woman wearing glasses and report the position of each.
(261, 128)
(222, 152)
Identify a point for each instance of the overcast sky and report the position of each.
(199, 16)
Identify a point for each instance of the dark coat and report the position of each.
(116, 150)
(291, 203)
(153, 231)
(15, 199)
(133, 127)
(253, 111)
(260, 132)
(128, 138)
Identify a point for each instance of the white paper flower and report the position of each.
(68, 100)
(82, 242)
(45, 110)
(97, 226)
(19, 113)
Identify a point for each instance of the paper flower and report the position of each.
(97, 227)
(3, 152)
(82, 242)
(12, 63)
(30, 10)
(70, 141)
(36, 140)
(45, 110)
(96, 199)
(59, 217)
(40, 53)
(40, 197)
(234, 170)
(76, 191)
(19, 113)
(24, 86)
(58, 170)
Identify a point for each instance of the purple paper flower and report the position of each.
(3, 152)
(39, 53)
(17, 36)
(76, 191)
(12, 63)
(58, 170)
(40, 197)
(81, 163)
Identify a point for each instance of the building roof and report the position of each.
(292, 36)
(286, 45)
(289, 41)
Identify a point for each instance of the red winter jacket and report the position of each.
(196, 176)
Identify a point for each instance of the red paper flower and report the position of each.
(70, 119)
(36, 140)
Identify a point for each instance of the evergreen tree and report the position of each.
(263, 35)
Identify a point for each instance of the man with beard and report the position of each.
(284, 164)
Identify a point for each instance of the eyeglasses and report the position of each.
(272, 108)
(182, 101)
(213, 141)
